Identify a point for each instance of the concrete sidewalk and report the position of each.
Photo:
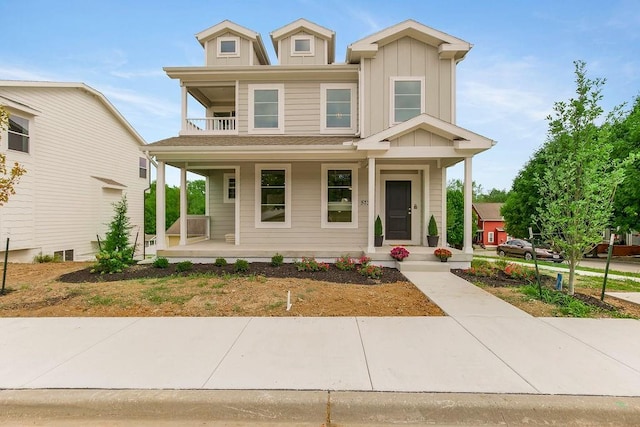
(483, 346)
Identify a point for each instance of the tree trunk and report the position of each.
(572, 274)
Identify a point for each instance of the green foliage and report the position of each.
(455, 214)
(161, 262)
(184, 266)
(195, 206)
(433, 227)
(345, 263)
(371, 271)
(310, 264)
(567, 304)
(579, 183)
(116, 252)
(377, 228)
(493, 196)
(277, 260)
(241, 266)
(220, 262)
(517, 271)
(41, 259)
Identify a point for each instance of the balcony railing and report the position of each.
(211, 126)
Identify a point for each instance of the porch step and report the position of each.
(432, 266)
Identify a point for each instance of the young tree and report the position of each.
(116, 252)
(9, 178)
(579, 182)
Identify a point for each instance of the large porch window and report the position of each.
(273, 196)
(339, 196)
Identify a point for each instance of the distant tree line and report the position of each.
(195, 206)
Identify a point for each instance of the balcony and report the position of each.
(210, 126)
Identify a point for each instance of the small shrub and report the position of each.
(516, 271)
(111, 262)
(310, 264)
(220, 262)
(482, 268)
(500, 263)
(241, 266)
(184, 266)
(277, 260)
(161, 262)
(364, 260)
(345, 263)
(41, 259)
(371, 271)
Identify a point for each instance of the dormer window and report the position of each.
(228, 46)
(302, 45)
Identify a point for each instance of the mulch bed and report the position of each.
(334, 275)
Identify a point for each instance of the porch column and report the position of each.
(160, 207)
(183, 206)
(184, 108)
(372, 204)
(468, 193)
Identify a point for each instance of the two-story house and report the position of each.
(81, 156)
(301, 157)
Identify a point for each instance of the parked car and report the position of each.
(522, 248)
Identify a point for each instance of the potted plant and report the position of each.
(432, 233)
(399, 253)
(443, 254)
(377, 232)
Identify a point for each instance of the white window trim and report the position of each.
(225, 185)
(222, 54)
(4, 134)
(264, 131)
(392, 98)
(310, 52)
(323, 107)
(490, 237)
(287, 195)
(325, 199)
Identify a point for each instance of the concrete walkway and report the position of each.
(484, 346)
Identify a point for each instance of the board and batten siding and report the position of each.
(436, 199)
(75, 138)
(420, 138)
(305, 211)
(405, 57)
(318, 58)
(211, 52)
(222, 214)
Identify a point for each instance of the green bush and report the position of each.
(371, 271)
(241, 266)
(567, 304)
(377, 228)
(40, 259)
(161, 262)
(220, 262)
(310, 264)
(116, 253)
(501, 264)
(184, 266)
(277, 260)
(433, 227)
(345, 263)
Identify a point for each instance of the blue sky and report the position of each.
(521, 62)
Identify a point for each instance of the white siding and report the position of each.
(75, 138)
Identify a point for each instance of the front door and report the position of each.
(398, 210)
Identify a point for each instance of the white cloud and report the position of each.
(16, 73)
(138, 74)
(135, 101)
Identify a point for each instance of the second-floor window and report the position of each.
(338, 108)
(142, 167)
(228, 46)
(18, 134)
(302, 45)
(407, 100)
(266, 109)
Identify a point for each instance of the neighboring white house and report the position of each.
(81, 156)
(302, 156)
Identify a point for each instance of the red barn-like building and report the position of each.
(490, 224)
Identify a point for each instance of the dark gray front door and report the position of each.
(398, 210)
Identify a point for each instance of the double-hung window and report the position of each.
(142, 167)
(338, 108)
(273, 196)
(229, 187)
(266, 108)
(339, 196)
(18, 134)
(407, 98)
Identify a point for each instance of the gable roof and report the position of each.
(82, 87)
(7, 102)
(448, 46)
(462, 138)
(228, 26)
(315, 29)
(488, 211)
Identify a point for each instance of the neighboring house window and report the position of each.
(407, 100)
(143, 167)
(228, 46)
(302, 45)
(339, 196)
(490, 237)
(273, 196)
(64, 255)
(338, 108)
(18, 134)
(266, 108)
(229, 187)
